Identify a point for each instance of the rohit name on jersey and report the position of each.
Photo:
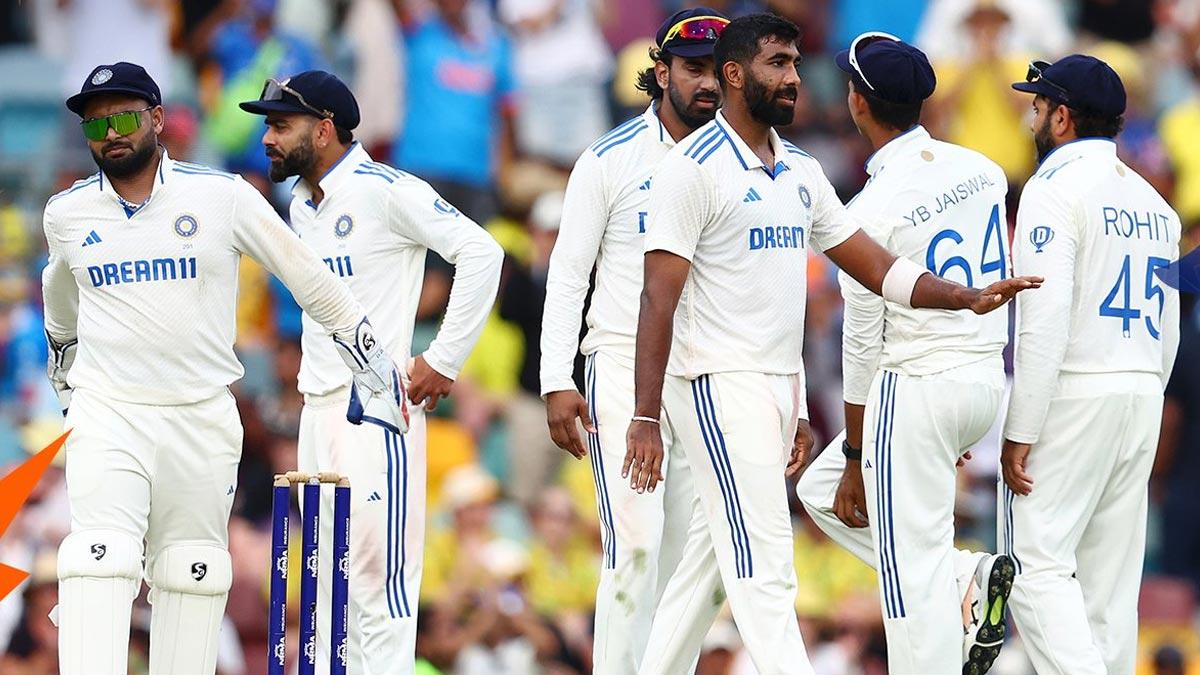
(139, 271)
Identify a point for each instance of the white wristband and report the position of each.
(639, 418)
(900, 280)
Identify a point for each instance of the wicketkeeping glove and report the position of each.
(62, 357)
(377, 394)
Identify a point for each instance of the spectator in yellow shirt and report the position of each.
(562, 575)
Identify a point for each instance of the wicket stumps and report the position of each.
(310, 533)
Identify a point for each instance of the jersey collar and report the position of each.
(164, 170)
(335, 175)
(1097, 144)
(746, 156)
(906, 143)
(653, 121)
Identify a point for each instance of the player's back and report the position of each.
(1121, 231)
(941, 206)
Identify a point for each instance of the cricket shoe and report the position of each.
(988, 596)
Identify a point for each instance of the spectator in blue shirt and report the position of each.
(458, 132)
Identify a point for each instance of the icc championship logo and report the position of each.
(186, 226)
(441, 206)
(343, 226)
(1040, 236)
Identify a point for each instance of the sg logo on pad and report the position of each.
(1040, 236)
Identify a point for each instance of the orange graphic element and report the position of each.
(14, 491)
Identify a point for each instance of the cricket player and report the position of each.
(372, 225)
(931, 380)
(140, 293)
(602, 228)
(1094, 352)
(733, 211)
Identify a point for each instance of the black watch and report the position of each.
(851, 452)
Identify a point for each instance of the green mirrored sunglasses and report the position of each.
(124, 123)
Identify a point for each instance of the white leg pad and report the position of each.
(189, 586)
(99, 575)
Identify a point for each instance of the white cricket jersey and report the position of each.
(941, 206)
(372, 229)
(604, 218)
(747, 229)
(1097, 232)
(151, 290)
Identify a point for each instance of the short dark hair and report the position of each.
(1090, 125)
(344, 136)
(742, 39)
(898, 116)
(646, 79)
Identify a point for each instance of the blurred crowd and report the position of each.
(491, 101)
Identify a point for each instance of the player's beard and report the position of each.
(123, 167)
(298, 162)
(690, 113)
(1043, 140)
(766, 106)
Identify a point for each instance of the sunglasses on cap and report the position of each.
(1036, 74)
(273, 90)
(862, 41)
(697, 28)
(124, 123)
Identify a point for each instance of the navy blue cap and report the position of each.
(323, 92)
(688, 47)
(116, 78)
(1081, 82)
(892, 70)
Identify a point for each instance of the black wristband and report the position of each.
(851, 452)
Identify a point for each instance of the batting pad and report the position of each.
(189, 585)
(99, 575)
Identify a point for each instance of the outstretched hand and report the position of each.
(999, 293)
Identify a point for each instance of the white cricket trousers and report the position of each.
(1078, 539)
(737, 431)
(642, 535)
(914, 430)
(162, 477)
(387, 531)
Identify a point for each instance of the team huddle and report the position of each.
(692, 225)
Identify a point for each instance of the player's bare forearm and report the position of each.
(854, 424)
(665, 275)
(869, 263)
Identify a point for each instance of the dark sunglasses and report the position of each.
(124, 123)
(273, 90)
(1036, 74)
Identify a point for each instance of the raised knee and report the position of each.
(193, 569)
(100, 554)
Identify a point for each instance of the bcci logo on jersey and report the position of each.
(186, 226)
(1040, 236)
(343, 226)
(805, 197)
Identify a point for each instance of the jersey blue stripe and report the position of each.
(891, 525)
(623, 138)
(379, 166)
(709, 443)
(791, 147)
(614, 131)
(403, 522)
(885, 567)
(78, 185)
(724, 454)
(602, 498)
(200, 167)
(372, 172)
(702, 141)
(713, 149)
(389, 570)
(193, 172)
